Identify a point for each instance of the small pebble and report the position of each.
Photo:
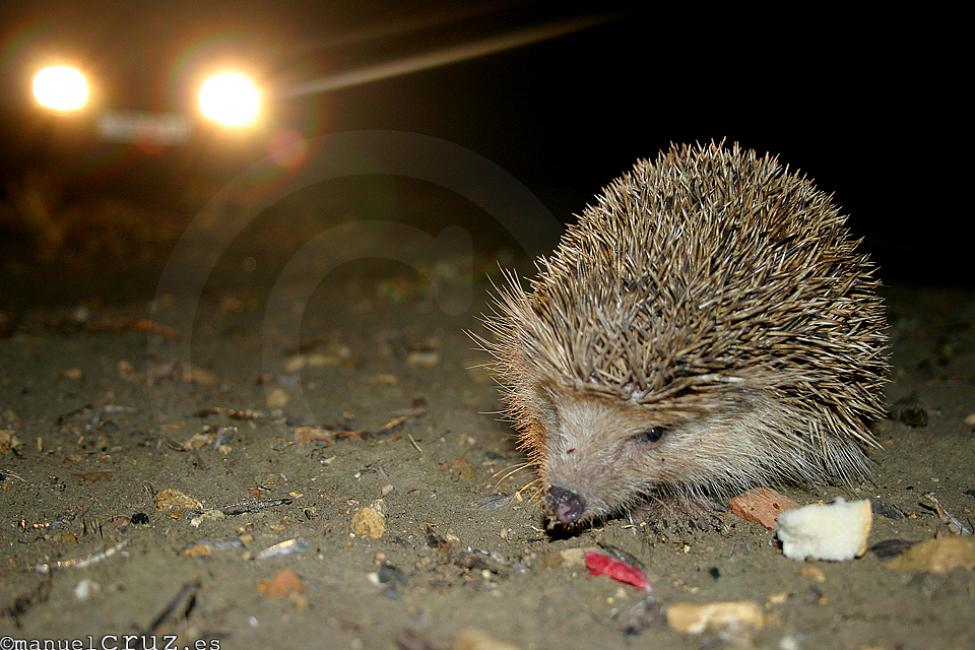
(694, 618)
(368, 522)
(473, 639)
(84, 589)
(277, 398)
(284, 583)
(71, 374)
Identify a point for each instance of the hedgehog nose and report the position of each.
(566, 505)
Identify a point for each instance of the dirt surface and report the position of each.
(347, 405)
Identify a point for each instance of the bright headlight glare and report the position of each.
(230, 99)
(61, 88)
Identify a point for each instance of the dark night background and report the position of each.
(858, 105)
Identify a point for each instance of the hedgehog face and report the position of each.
(603, 456)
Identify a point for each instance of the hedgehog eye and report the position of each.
(650, 436)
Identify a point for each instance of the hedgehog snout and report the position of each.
(567, 506)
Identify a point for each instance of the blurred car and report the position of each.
(168, 95)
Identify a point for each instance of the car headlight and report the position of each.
(230, 99)
(61, 88)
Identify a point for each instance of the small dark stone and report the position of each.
(436, 540)
(639, 616)
(389, 573)
(139, 519)
(889, 548)
(884, 509)
(623, 556)
(970, 493)
(410, 639)
(813, 595)
(908, 411)
(714, 572)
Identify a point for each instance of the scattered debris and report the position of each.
(9, 442)
(141, 325)
(475, 559)
(938, 555)
(388, 576)
(25, 601)
(458, 468)
(98, 417)
(254, 506)
(402, 418)
(277, 398)
(884, 509)
(414, 443)
(692, 618)
(197, 375)
(954, 524)
(889, 548)
(126, 370)
(337, 355)
(61, 520)
(474, 639)
(6, 473)
(317, 433)
(327, 435)
(178, 608)
(224, 436)
(85, 588)
(837, 531)
(171, 499)
(640, 615)
(389, 573)
(814, 572)
(761, 505)
(253, 415)
(284, 583)
(410, 639)
(909, 411)
(423, 358)
(205, 548)
(80, 563)
(604, 564)
(574, 556)
(71, 374)
(195, 441)
(438, 541)
(235, 509)
(622, 556)
(369, 521)
(287, 547)
(96, 475)
(493, 502)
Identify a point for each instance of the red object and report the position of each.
(606, 565)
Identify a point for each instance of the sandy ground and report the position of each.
(103, 420)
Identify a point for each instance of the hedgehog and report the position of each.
(707, 325)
